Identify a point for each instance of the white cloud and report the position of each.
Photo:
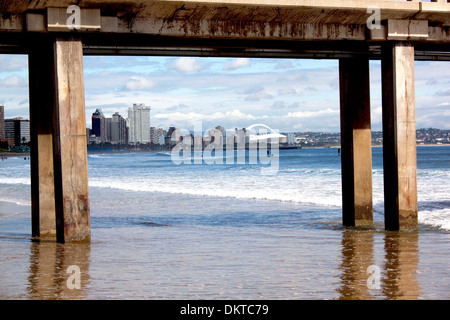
(139, 83)
(256, 93)
(325, 119)
(312, 114)
(191, 117)
(443, 93)
(253, 90)
(258, 96)
(237, 63)
(278, 105)
(438, 119)
(236, 114)
(376, 118)
(178, 107)
(287, 92)
(284, 65)
(13, 63)
(14, 81)
(186, 64)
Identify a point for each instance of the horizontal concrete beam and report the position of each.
(374, 52)
(293, 20)
(277, 19)
(306, 11)
(246, 29)
(92, 21)
(436, 11)
(145, 45)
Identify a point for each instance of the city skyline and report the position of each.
(290, 95)
(161, 136)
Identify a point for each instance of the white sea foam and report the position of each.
(241, 188)
(8, 180)
(310, 190)
(22, 202)
(317, 187)
(437, 218)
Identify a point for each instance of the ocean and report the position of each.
(229, 231)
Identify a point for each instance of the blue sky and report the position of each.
(286, 94)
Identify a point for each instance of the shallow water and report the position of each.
(218, 256)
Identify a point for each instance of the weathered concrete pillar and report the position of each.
(69, 144)
(399, 137)
(40, 61)
(59, 177)
(356, 143)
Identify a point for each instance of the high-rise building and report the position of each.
(239, 135)
(108, 129)
(171, 130)
(222, 130)
(17, 129)
(2, 122)
(99, 126)
(139, 123)
(160, 136)
(153, 138)
(291, 138)
(223, 134)
(118, 129)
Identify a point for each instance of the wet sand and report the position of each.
(201, 262)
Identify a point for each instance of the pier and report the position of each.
(56, 34)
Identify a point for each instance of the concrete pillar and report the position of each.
(69, 143)
(356, 143)
(40, 61)
(59, 177)
(399, 137)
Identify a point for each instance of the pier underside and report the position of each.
(56, 37)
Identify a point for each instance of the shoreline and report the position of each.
(27, 154)
(14, 154)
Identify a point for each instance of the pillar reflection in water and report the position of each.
(357, 256)
(398, 265)
(48, 276)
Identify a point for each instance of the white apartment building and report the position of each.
(139, 123)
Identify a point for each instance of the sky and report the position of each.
(289, 95)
